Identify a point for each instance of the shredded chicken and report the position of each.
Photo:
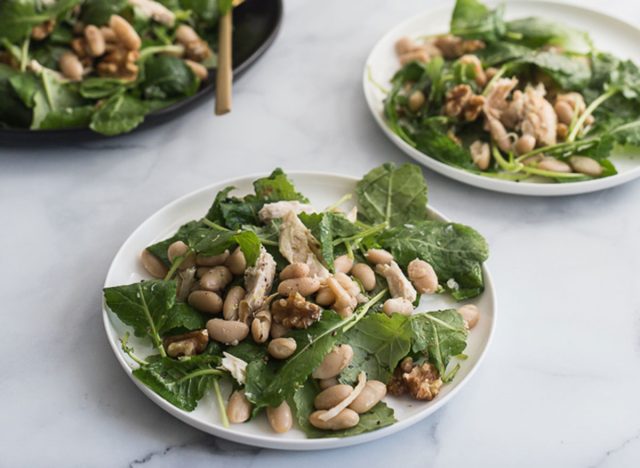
(258, 281)
(277, 210)
(495, 105)
(540, 120)
(399, 285)
(298, 245)
(156, 11)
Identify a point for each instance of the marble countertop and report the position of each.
(559, 387)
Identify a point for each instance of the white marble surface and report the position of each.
(560, 386)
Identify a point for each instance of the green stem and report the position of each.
(47, 90)
(362, 234)
(503, 163)
(200, 373)
(213, 225)
(172, 49)
(495, 78)
(588, 111)
(375, 83)
(24, 54)
(174, 266)
(554, 175)
(268, 242)
(221, 405)
(342, 199)
(347, 244)
(129, 351)
(155, 337)
(362, 311)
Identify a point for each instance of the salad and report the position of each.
(101, 64)
(515, 100)
(308, 315)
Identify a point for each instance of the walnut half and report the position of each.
(187, 344)
(422, 382)
(461, 102)
(295, 312)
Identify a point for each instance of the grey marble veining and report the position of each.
(559, 386)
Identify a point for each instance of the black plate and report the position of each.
(255, 25)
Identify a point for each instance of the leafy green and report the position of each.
(569, 73)
(121, 113)
(302, 403)
(52, 96)
(98, 88)
(159, 249)
(537, 32)
(150, 309)
(441, 334)
(393, 195)
(379, 342)
(277, 187)
(313, 344)
(209, 241)
(471, 19)
(328, 227)
(18, 17)
(181, 382)
(456, 252)
(167, 77)
(69, 117)
(431, 138)
(98, 11)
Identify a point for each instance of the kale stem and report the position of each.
(213, 225)
(347, 244)
(344, 198)
(155, 337)
(375, 83)
(503, 163)
(173, 49)
(174, 266)
(221, 405)
(555, 175)
(495, 78)
(200, 373)
(24, 54)
(588, 111)
(129, 351)
(355, 318)
(362, 234)
(47, 91)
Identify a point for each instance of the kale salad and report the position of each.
(101, 64)
(307, 316)
(527, 99)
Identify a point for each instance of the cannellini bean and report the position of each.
(125, 33)
(108, 34)
(227, 331)
(326, 383)
(294, 270)
(238, 408)
(554, 165)
(347, 283)
(373, 392)
(345, 302)
(198, 69)
(70, 66)
(180, 249)
(418, 55)
(364, 273)
(423, 276)
(334, 362)
(236, 262)
(304, 286)
(153, 264)
(278, 330)
(186, 34)
(564, 111)
(343, 264)
(325, 297)
(480, 154)
(282, 348)
(216, 279)
(397, 305)
(404, 45)
(95, 41)
(525, 143)
(205, 301)
(345, 419)
(470, 314)
(232, 302)
(416, 100)
(378, 256)
(212, 260)
(261, 326)
(586, 166)
(280, 417)
(332, 396)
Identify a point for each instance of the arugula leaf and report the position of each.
(150, 309)
(277, 187)
(379, 342)
(302, 404)
(181, 382)
(441, 334)
(273, 386)
(471, 19)
(393, 195)
(453, 250)
(121, 113)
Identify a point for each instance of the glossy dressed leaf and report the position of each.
(456, 252)
(52, 96)
(167, 77)
(121, 113)
(277, 187)
(279, 384)
(176, 381)
(302, 404)
(70, 117)
(379, 342)
(209, 241)
(441, 334)
(393, 195)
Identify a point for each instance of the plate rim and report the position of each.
(274, 442)
(465, 177)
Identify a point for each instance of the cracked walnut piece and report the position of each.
(186, 344)
(461, 102)
(422, 382)
(295, 312)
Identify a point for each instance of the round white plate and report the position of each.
(608, 34)
(322, 190)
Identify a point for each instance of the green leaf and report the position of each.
(538, 32)
(121, 113)
(209, 241)
(441, 334)
(272, 387)
(98, 12)
(182, 383)
(456, 252)
(471, 19)
(25, 85)
(18, 17)
(431, 138)
(277, 187)
(379, 342)
(159, 249)
(150, 309)
(52, 96)
(13, 111)
(302, 404)
(327, 227)
(393, 195)
(70, 117)
(569, 72)
(99, 88)
(167, 77)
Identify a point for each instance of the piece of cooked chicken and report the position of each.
(399, 284)
(298, 245)
(258, 280)
(539, 118)
(277, 210)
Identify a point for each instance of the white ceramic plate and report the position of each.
(608, 34)
(322, 190)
